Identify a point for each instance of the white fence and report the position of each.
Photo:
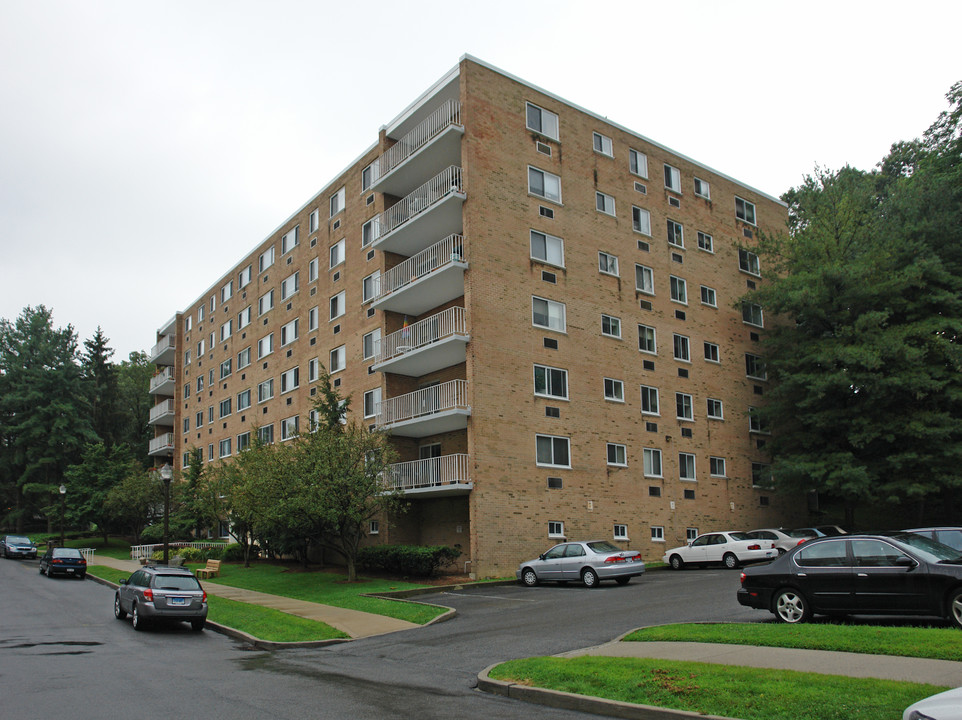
(448, 114)
(422, 333)
(444, 252)
(143, 552)
(431, 472)
(449, 395)
(434, 190)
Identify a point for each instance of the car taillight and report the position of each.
(148, 595)
(742, 579)
(204, 599)
(614, 559)
(57, 561)
(801, 541)
(756, 546)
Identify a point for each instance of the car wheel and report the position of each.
(790, 606)
(955, 607)
(731, 562)
(135, 619)
(622, 580)
(589, 577)
(529, 577)
(197, 624)
(119, 611)
(781, 551)
(676, 562)
(41, 568)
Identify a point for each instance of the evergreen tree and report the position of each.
(133, 384)
(101, 378)
(90, 482)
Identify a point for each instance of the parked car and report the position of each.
(820, 531)
(881, 574)
(781, 537)
(63, 561)
(161, 593)
(943, 706)
(730, 548)
(590, 562)
(17, 546)
(951, 536)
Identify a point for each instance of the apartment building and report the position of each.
(540, 307)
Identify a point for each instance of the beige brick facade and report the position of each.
(478, 483)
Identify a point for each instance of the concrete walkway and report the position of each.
(355, 623)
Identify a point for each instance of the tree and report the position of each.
(133, 383)
(135, 502)
(90, 482)
(100, 376)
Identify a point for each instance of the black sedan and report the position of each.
(63, 561)
(884, 574)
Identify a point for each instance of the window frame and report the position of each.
(675, 232)
(566, 441)
(649, 456)
(602, 202)
(678, 289)
(636, 214)
(715, 409)
(602, 144)
(633, 156)
(613, 322)
(705, 192)
(605, 262)
(623, 462)
(672, 178)
(684, 402)
(548, 241)
(686, 461)
(541, 113)
(614, 390)
(644, 272)
(710, 291)
(651, 336)
(549, 305)
(649, 392)
(544, 176)
(548, 373)
(746, 208)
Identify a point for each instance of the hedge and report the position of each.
(407, 560)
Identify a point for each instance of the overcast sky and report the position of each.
(133, 133)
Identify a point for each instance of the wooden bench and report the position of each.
(212, 569)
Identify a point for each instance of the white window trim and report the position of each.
(649, 413)
(546, 395)
(556, 534)
(544, 197)
(701, 297)
(552, 438)
(721, 406)
(564, 315)
(691, 404)
(615, 384)
(547, 237)
(658, 530)
(624, 450)
(607, 146)
(605, 198)
(608, 262)
(610, 317)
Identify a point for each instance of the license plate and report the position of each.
(69, 570)
(631, 560)
(177, 600)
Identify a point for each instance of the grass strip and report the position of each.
(921, 642)
(748, 693)
(261, 622)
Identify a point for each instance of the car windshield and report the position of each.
(17, 540)
(66, 553)
(740, 536)
(929, 549)
(603, 546)
(176, 582)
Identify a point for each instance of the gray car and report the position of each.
(161, 593)
(590, 562)
(17, 546)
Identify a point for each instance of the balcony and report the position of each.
(162, 413)
(434, 143)
(437, 477)
(428, 345)
(431, 211)
(162, 445)
(432, 277)
(163, 382)
(164, 352)
(429, 411)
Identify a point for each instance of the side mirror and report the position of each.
(541, 556)
(905, 561)
(125, 581)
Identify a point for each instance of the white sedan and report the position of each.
(729, 548)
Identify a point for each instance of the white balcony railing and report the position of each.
(448, 114)
(451, 395)
(164, 345)
(434, 190)
(162, 378)
(422, 334)
(432, 472)
(161, 409)
(444, 252)
(161, 444)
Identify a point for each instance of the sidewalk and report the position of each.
(355, 623)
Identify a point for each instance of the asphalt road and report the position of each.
(63, 654)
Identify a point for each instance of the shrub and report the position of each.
(407, 560)
(235, 553)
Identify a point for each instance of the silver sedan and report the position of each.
(590, 562)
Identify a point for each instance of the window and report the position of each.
(370, 231)
(657, 533)
(337, 359)
(227, 291)
(604, 203)
(290, 285)
(705, 242)
(755, 367)
(550, 382)
(672, 178)
(679, 290)
(224, 448)
(617, 455)
(683, 406)
(640, 220)
(548, 314)
(761, 475)
(644, 279)
(314, 220)
(243, 358)
(682, 349)
(547, 248)
(371, 344)
(652, 459)
(752, 314)
(312, 318)
(602, 144)
(702, 189)
(226, 329)
(691, 534)
(225, 407)
(755, 423)
(711, 352)
(289, 240)
(638, 163)
(289, 428)
(200, 349)
(649, 400)
(337, 202)
(243, 400)
(607, 264)
(265, 390)
(244, 318)
(186, 390)
(200, 314)
(213, 302)
(544, 184)
(188, 323)
(646, 339)
(614, 390)
(541, 121)
(372, 398)
(337, 305)
(337, 252)
(369, 286)
(225, 368)
(686, 467)
(199, 419)
(708, 296)
(313, 369)
(265, 302)
(715, 410)
(744, 210)
(552, 451)
(266, 259)
(620, 532)
(556, 529)
(374, 528)
(290, 380)
(676, 234)
(716, 466)
(265, 346)
(370, 174)
(312, 267)
(266, 434)
(243, 442)
(748, 262)
(610, 326)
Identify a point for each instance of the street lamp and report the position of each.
(63, 507)
(166, 473)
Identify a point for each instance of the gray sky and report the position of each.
(132, 133)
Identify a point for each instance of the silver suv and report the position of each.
(161, 593)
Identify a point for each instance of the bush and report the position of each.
(407, 560)
(235, 553)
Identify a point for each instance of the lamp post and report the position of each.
(63, 507)
(166, 474)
